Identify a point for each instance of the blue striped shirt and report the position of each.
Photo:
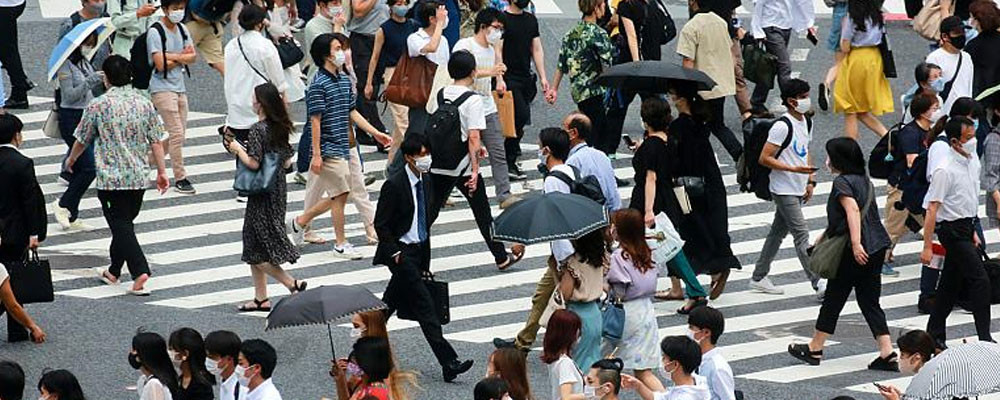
(332, 98)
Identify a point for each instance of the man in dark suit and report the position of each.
(22, 210)
(401, 221)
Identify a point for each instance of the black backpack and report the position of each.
(142, 68)
(880, 165)
(444, 132)
(658, 28)
(751, 175)
(914, 183)
(586, 186)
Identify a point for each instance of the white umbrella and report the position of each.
(74, 38)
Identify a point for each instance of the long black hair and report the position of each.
(864, 10)
(152, 352)
(845, 156)
(275, 114)
(592, 248)
(190, 341)
(62, 383)
(373, 356)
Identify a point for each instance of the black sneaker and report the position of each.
(501, 343)
(622, 182)
(925, 305)
(889, 363)
(370, 179)
(184, 186)
(516, 174)
(16, 103)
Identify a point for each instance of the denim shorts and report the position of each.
(839, 12)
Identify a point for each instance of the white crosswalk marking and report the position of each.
(194, 246)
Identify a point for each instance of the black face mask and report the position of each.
(957, 41)
(133, 360)
(522, 4)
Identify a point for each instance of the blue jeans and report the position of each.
(839, 12)
(83, 170)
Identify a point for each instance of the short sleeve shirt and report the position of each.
(331, 97)
(585, 53)
(369, 23)
(705, 39)
(518, 34)
(485, 58)
(910, 140)
(634, 10)
(174, 81)
(470, 116)
(871, 36)
(873, 234)
(564, 371)
(416, 42)
(795, 155)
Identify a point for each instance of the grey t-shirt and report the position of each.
(174, 82)
(369, 23)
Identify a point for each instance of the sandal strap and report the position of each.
(260, 303)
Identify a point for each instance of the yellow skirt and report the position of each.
(861, 85)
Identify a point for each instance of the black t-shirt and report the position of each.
(910, 140)
(634, 10)
(519, 31)
(873, 234)
(653, 155)
(197, 391)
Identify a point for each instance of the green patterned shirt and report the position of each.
(585, 53)
(122, 125)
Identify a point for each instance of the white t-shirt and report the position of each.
(563, 248)
(795, 155)
(153, 389)
(962, 86)
(3, 273)
(718, 375)
(416, 42)
(485, 59)
(563, 371)
(470, 115)
(698, 391)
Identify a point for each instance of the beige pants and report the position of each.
(895, 220)
(742, 93)
(400, 116)
(173, 109)
(359, 195)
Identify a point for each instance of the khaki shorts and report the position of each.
(207, 37)
(333, 179)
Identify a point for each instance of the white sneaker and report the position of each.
(298, 232)
(346, 251)
(62, 215)
(820, 290)
(765, 286)
(240, 198)
(78, 225)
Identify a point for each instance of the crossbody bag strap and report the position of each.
(871, 199)
(951, 82)
(240, 43)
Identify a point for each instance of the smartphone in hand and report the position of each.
(629, 142)
(812, 38)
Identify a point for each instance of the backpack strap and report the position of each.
(458, 101)
(788, 137)
(562, 177)
(163, 44)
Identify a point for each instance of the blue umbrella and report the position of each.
(74, 38)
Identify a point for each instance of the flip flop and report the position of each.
(665, 295)
(686, 309)
(258, 306)
(511, 260)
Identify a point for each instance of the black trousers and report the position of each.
(593, 108)
(15, 331)
(10, 56)
(524, 90)
(616, 119)
(441, 187)
(406, 289)
(717, 124)
(361, 54)
(120, 209)
(866, 282)
(963, 273)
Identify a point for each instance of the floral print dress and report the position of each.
(264, 235)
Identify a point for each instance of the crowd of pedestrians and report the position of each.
(119, 122)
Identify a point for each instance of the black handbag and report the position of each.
(759, 66)
(693, 185)
(888, 61)
(262, 179)
(289, 52)
(439, 296)
(31, 279)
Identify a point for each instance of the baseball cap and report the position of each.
(952, 24)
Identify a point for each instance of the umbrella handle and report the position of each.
(329, 331)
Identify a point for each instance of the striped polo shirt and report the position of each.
(330, 96)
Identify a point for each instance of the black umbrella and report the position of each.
(654, 76)
(549, 217)
(322, 305)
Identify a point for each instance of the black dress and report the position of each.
(654, 155)
(706, 229)
(264, 236)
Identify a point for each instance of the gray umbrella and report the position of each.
(966, 370)
(549, 217)
(322, 305)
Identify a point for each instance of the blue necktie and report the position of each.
(421, 212)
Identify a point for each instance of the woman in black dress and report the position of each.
(653, 193)
(187, 351)
(706, 229)
(265, 241)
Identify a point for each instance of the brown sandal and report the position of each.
(719, 284)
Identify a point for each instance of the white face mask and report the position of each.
(423, 164)
(86, 49)
(936, 115)
(240, 372)
(212, 367)
(176, 16)
(446, 22)
(542, 157)
(803, 105)
(691, 335)
(357, 332)
(175, 359)
(339, 58)
(494, 36)
(590, 393)
(970, 146)
(335, 10)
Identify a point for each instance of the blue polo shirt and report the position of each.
(331, 96)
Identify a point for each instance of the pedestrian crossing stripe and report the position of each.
(176, 273)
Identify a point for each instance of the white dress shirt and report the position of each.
(241, 79)
(227, 389)
(718, 375)
(266, 391)
(956, 187)
(782, 14)
(563, 248)
(412, 236)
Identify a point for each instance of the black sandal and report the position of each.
(511, 260)
(802, 352)
(686, 309)
(258, 306)
(297, 286)
(889, 363)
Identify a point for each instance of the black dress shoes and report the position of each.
(455, 368)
